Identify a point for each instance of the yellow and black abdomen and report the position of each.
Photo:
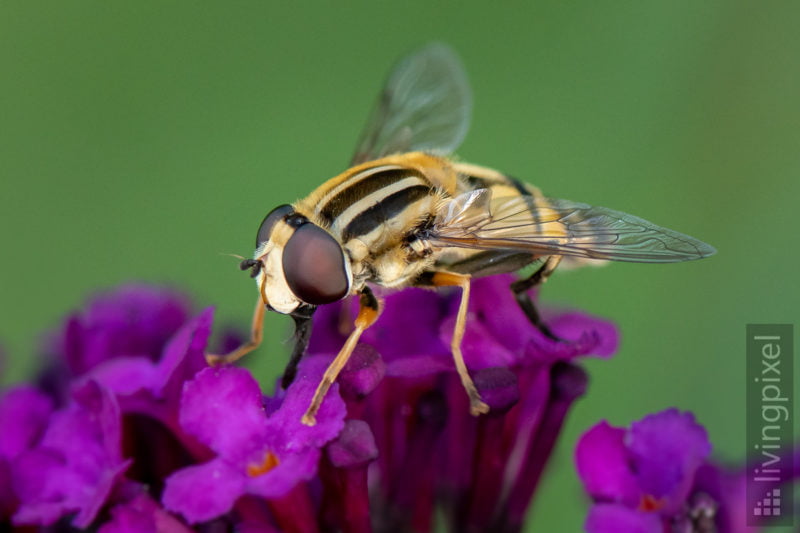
(477, 177)
(480, 262)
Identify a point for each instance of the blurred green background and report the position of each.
(143, 140)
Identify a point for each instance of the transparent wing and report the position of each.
(545, 226)
(425, 105)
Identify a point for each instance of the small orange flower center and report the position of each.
(270, 461)
(650, 504)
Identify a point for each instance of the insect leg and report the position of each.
(369, 309)
(443, 279)
(520, 290)
(302, 333)
(256, 335)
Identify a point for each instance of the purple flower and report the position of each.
(656, 477)
(117, 370)
(76, 463)
(132, 321)
(24, 414)
(482, 472)
(152, 387)
(138, 341)
(261, 450)
(649, 467)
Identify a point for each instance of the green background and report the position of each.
(142, 141)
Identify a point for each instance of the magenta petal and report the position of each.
(480, 347)
(36, 477)
(355, 446)
(411, 310)
(330, 418)
(142, 515)
(184, 355)
(602, 462)
(492, 303)
(294, 468)
(155, 312)
(612, 518)
(133, 320)
(500, 334)
(204, 491)
(498, 387)
(95, 419)
(24, 413)
(125, 375)
(575, 325)
(420, 365)
(363, 372)
(667, 448)
(222, 407)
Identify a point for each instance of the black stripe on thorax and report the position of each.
(389, 207)
(360, 189)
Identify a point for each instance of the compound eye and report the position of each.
(269, 221)
(314, 266)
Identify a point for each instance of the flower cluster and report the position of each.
(130, 429)
(480, 472)
(127, 428)
(656, 476)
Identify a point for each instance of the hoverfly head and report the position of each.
(298, 262)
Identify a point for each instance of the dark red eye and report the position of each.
(314, 266)
(269, 221)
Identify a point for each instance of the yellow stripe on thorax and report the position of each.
(437, 170)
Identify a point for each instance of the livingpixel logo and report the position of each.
(770, 424)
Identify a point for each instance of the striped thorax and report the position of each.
(365, 225)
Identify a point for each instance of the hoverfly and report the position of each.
(406, 214)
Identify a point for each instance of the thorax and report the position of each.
(376, 210)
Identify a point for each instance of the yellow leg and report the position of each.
(368, 313)
(441, 279)
(256, 335)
